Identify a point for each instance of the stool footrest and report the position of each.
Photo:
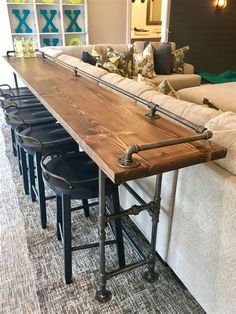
(81, 206)
(90, 245)
(50, 197)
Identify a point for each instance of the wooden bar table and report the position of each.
(110, 128)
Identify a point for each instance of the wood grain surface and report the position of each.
(104, 124)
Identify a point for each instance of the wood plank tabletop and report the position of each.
(104, 124)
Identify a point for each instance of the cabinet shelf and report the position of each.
(25, 34)
(37, 20)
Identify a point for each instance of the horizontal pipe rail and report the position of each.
(152, 106)
(127, 159)
(126, 268)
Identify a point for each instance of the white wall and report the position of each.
(5, 44)
(107, 21)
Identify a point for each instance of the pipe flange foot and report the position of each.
(103, 295)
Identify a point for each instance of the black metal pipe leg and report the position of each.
(102, 295)
(150, 275)
(31, 176)
(41, 191)
(59, 216)
(116, 225)
(24, 169)
(66, 220)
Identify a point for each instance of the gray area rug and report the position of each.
(31, 271)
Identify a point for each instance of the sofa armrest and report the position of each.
(188, 68)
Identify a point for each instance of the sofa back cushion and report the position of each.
(102, 48)
(139, 45)
(86, 67)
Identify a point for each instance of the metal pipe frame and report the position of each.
(103, 295)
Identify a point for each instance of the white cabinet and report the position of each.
(49, 22)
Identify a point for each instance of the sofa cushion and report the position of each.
(88, 68)
(74, 51)
(164, 87)
(144, 62)
(192, 112)
(178, 59)
(224, 134)
(162, 58)
(178, 81)
(223, 96)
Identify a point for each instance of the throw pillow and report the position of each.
(122, 60)
(178, 59)
(144, 63)
(108, 65)
(92, 57)
(164, 87)
(162, 58)
(88, 58)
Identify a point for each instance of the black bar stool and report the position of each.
(7, 100)
(35, 141)
(14, 92)
(75, 176)
(33, 116)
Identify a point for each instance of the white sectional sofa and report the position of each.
(197, 228)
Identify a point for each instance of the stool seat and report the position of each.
(34, 141)
(43, 137)
(14, 92)
(73, 173)
(33, 116)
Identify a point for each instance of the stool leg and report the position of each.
(31, 176)
(86, 207)
(13, 141)
(116, 226)
(41, 191)
(59, 216)
(24, 169)
(19, 158)
(66, 220)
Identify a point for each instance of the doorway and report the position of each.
(148, 20)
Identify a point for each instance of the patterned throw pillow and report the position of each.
(164, 87)
(144, 63)
(122, 60)
(108, 65)
(178, 59)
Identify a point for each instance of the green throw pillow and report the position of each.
(178, 59)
